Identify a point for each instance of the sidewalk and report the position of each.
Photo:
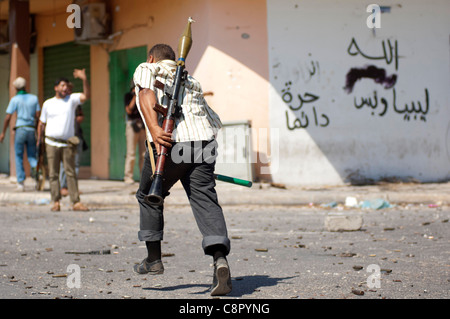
(116, 193)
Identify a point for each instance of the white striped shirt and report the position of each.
(197, 121)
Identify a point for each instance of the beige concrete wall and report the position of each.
(337, 131)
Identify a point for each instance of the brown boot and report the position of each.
(56, 207)
(80, 207)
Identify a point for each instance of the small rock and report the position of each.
(358, 292)
(337, 222)
(278, 185)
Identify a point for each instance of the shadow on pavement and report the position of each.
(244, 285)
(247, 285)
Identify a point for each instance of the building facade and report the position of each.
(333, 91)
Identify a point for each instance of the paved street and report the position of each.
(280, 250)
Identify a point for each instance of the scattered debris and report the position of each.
(329, 205)
(278, 185)
(41, 201)
(94, 252)
(375, 204)
(358, 292)
(343, 222)
(351, 202)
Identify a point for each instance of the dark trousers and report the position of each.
(193, 164)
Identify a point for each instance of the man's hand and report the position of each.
(5, 127)
(160, 138)
(147, 100)
(80, 74)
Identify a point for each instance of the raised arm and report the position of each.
(81, 74)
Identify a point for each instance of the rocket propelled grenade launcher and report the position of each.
(154, 196)
(184, 45)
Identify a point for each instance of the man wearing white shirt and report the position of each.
(196, 127)
(57, 121)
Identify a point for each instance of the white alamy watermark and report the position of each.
(374, 280)
(74, 279)
(374, 20)
(74, 20)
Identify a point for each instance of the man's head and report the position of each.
(160, 52)
(20, 83)
(62, 88)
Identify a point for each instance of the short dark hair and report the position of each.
(61, 79)
(162, 52)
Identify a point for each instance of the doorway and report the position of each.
(122, 65)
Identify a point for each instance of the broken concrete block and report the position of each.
(343, 222)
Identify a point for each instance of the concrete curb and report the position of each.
(116, 193)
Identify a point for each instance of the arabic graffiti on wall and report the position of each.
(389, 56)
(301, 119)
(385, 101)
(303, 112)
(304, 107)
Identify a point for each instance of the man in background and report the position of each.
(135, 133)
(27, 107)
(57, 121)
(82, 146)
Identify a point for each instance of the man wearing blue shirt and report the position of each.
(27, 107)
